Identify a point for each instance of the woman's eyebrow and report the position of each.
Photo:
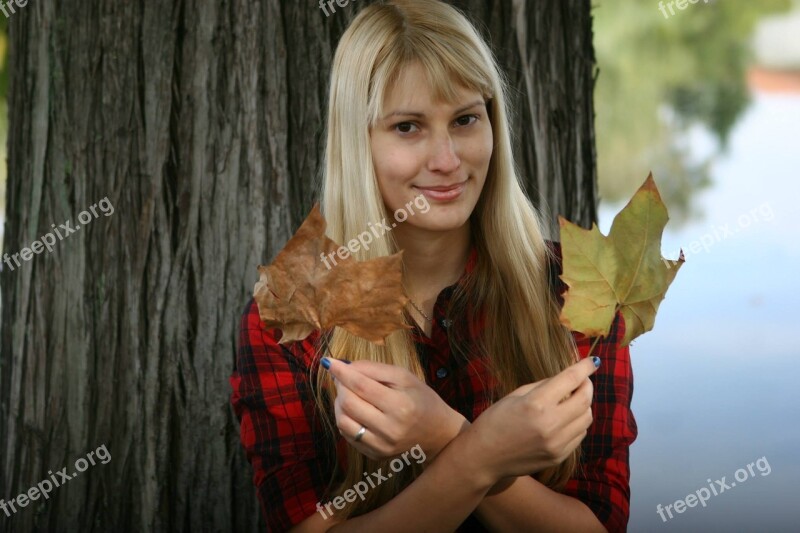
(417, 114)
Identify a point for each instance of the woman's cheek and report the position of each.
(398, 173)
(392, 183)
(483, 148)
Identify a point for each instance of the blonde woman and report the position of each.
(482, 416)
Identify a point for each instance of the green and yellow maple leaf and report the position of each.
(623, 271)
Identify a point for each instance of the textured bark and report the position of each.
(201, 121)
(545, 48)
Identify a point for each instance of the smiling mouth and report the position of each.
(443, 193)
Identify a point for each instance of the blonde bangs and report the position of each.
(448, 63)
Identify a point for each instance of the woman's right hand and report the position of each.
(534, 427)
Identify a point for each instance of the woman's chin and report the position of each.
(440, 225)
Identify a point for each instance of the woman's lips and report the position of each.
(443, 194)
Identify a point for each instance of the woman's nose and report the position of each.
(444, 157)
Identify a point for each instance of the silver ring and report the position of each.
(360, 434)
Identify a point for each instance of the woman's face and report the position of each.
(440, 150)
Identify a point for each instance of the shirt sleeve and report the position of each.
(603, 475)
(273, 401)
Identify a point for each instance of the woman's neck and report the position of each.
(433, 259)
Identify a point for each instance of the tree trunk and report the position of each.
(201, 123)
(545, 48)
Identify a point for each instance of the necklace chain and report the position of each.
(419, 310)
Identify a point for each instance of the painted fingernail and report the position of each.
(345, 361)
(326, 363)
(596, 361)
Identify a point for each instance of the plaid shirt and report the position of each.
(286, 445)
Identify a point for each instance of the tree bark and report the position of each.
(201, 122)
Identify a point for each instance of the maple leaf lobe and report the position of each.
(299, 293)
(623, 271)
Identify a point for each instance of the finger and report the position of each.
(528, 387)
(579, 401)
(364, 413)
(576, 431)
(377, 394)
(564, 383)
(570, 447)
(389, 375)
(349, 428)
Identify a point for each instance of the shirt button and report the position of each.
(446, 323)
(441, 373)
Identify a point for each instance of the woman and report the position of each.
(487, 392)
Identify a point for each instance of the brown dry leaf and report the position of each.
(299, 294)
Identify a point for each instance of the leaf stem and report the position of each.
(597, 339)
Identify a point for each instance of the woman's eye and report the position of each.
(470, 120)
(405, 127)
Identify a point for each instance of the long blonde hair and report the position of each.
(523, 340)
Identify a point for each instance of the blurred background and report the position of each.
(708, 99)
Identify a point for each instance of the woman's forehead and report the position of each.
(413, 90)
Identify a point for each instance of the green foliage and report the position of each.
(659, 77)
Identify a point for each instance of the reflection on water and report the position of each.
(715, 381)
(715, 385)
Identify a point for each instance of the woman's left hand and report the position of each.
(398, 410)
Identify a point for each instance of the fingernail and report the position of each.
(326, 363)
(345, 361)
(596, 361)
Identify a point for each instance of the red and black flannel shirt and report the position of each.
(285, 443)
